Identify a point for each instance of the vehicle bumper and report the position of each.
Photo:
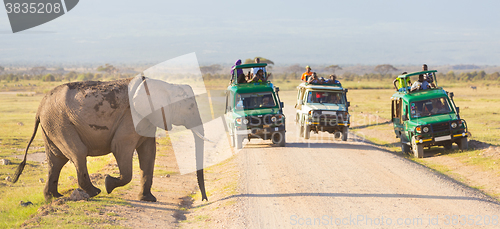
(261, 131)
(437, 140)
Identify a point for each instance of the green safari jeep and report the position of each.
(254, 110)
(322, 107)
(426, 117)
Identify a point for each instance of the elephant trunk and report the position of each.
(199, 147)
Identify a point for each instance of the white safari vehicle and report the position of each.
(322, 107)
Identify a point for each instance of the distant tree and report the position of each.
(262, 60)
(294, 68)
(333, 68)
(493, 76)
(70, 76)
(481, 75)
(38, 70)
(210, 69)
(450, 75)
(108, 68)
(384, 68)
(48, 78)
(85, 76)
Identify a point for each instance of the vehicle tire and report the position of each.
(301, 131)
(279, 138)
(232, 141)
(307, 131)
(448, 145)
(345, 133)
(337, 134)
(463, 144)
(239, 141)
(418, 150)
(405, 148)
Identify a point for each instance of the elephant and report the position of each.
(94, 118)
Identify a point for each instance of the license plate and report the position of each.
(329, 112)
(442, 138)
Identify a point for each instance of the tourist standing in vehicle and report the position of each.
(332, 80)
(428, 76)
(307, 74)
(314, 79)
(240, 77)
(256, 69)
(421, 84)
(400, 83)
(259, 77)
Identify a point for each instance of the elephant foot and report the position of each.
(147, 197)
(93, 191)
(49, 196)
(110, 183)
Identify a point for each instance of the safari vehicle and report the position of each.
(425, 118)
(254, 110)
(322, 107)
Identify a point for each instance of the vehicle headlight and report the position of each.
(238, 121)
(245, 121)
(273, 119)
(454, 125)
(418, 129)
(425, 129)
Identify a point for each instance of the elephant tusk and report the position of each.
(202, 137)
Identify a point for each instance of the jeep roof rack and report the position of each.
(433, 72)
(234, 77)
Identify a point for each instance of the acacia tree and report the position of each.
(210, 69)
(384, 68)
(333, 68)
(38, 70)
(262, 60)
(108, 68)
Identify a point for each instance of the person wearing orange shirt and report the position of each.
(307, 74)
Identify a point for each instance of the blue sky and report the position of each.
(287, 32)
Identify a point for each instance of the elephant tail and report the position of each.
(20, 168)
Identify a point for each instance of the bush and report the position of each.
(48, 78)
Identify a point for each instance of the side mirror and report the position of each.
(277, 89)
(452, 94)
(282, 104)
(348, 104)
(458, 110)
(229, 108)
(346, 90)
(404, 118)
(301, 102)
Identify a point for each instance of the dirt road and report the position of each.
(329, 183)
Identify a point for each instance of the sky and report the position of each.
(287, 32)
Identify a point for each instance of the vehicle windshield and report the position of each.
(325, 97)
(430, 107)
(250, 101)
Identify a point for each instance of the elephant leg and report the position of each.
(147, 154)
(83, 176)
(55, 165)
(123, 156)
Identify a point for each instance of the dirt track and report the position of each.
(334, 184)
(323, 182)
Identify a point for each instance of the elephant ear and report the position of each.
(151, 101)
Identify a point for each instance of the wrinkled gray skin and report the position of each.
(92, 118)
